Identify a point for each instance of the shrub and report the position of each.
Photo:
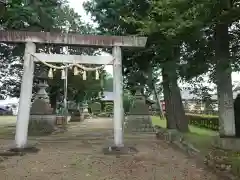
(204, 121)
(109, 108)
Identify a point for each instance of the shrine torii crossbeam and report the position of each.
(30, 38)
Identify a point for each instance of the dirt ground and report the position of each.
(77, 154)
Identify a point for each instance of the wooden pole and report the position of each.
(25, 97)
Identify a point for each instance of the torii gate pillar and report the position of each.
(118, 116)
(25, 96)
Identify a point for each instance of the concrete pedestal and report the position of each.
(138, 123)
(139, 118)
(230, 143)
(42, 124)
(124, 150)
(75, 118)
(13, 150)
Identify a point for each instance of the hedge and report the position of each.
(108, 108)
(204, 121)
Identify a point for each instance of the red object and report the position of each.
(163, 106)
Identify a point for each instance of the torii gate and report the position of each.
(30, 38)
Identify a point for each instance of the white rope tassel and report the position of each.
(71, 65)
(75, 71)
(84, 75)
(63, 74)
(50, 73)
(97, 75)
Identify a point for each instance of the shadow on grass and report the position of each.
(201, 142)
(200, 138)
(7, 126)
(7, 132)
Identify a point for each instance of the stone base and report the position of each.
(29, 149)
(86, 115)
(14, 151)
(170, 135)
(114, 150)
(75, 119)
(229, 143)
(42, 124)
(61, 120)
(176, 138)
(138, 123)
(79, 118)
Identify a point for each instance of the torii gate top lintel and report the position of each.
(72, 39)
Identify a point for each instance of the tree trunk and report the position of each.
(161, 115)
(53, 102)
(153, 87)
(175, 113)
(179, 112)
(224, 81)
(168, 101)
(53, 96)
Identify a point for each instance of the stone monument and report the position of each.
(139, 117)
(74, 111)
(96, 108)
(79, 114)
(42, 118)
(237, 115)
(75, 115)
(231, 143)
(85, 114)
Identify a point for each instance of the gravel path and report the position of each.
(77, 154)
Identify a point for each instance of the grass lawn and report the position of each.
(7, 120)
(199, 137)
(7, 126)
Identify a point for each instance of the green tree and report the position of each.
(113, 19)
(127, 101)
(49, 15)
(108, 83)
(176, 21)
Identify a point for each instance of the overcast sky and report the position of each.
(77, 5)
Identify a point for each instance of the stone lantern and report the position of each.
(139, 118)
(42, 78)
(85, 113)
(42, 118)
